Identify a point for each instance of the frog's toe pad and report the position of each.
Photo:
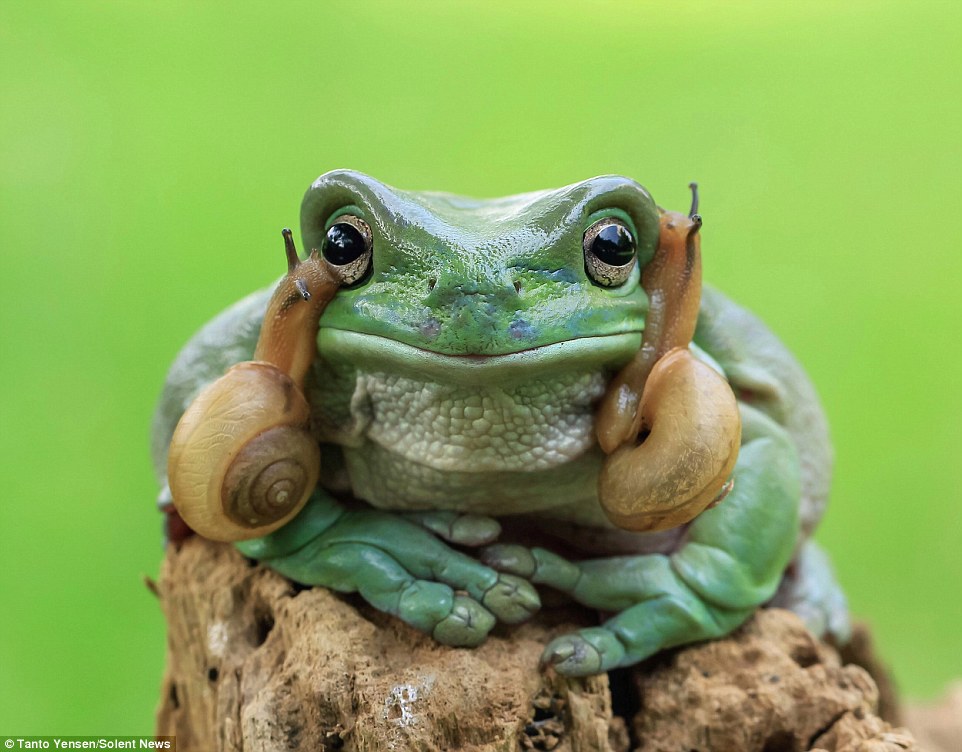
(466, 626)
(512, 599)
(461, 529)
(511, 558)
(583, 653)
(474, 530)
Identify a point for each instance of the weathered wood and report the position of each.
(257, 664)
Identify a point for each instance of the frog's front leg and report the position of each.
(729, 563)
(398, 567)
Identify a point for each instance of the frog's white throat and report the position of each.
(526, 426)
(410, 442)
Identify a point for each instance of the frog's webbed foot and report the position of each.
(652, 601)
(400, 568)
(730, 562)
(460, 529)
(583, 653)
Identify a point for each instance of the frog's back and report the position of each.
(766, 375)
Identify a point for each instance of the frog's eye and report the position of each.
(609, 252)
(348, 244)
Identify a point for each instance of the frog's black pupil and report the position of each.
(344, 244)
(614, 245)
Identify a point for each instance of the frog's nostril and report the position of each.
(517, 286)
(520, 329)
(431, 283)
(430, 328)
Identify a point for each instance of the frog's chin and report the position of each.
(375, 353)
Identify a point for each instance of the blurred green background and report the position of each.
(151, 152)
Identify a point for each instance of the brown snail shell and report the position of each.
(244, 443)
(693, 428)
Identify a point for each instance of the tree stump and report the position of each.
(256, 663)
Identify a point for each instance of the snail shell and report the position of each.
(244, 442)
(694, 429)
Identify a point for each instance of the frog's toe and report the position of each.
(538, 565)
(512, 599)
(466, 626)
(461, 529)
(474, 530)
(510, 558)
(583, 653)
(572, 655)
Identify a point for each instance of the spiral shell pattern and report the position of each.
(242, 460)
(268, 478)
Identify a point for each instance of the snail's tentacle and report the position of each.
(288, 337)
(672, 281)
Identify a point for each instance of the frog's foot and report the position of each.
(400, 568)
(656, 607)
(583, 653)
(729, 563)
(457, 528)
(382, 581)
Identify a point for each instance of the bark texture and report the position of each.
(257, 664)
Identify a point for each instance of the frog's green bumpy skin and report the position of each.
(506, 278)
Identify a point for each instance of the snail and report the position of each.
(683, 411)
(242, 459)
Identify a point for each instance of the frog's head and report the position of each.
(466, 284)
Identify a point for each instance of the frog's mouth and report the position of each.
(373, 352)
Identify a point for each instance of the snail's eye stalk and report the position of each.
(693, 214)
(290, 250)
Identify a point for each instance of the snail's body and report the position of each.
(469, 373)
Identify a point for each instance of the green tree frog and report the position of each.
(451, 403)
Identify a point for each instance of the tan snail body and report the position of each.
(682, 411)
(242, 459)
